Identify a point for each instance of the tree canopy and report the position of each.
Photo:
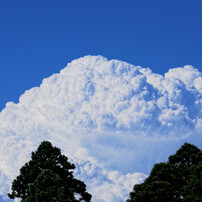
(48, 177)
(180, 179)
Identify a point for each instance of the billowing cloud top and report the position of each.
(110, 117)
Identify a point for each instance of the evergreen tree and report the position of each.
(48, 177)
(180, 179)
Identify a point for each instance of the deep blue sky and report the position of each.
(38, 38)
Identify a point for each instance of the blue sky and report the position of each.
(38, 38)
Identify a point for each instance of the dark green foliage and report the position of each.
(194, 187)
(47, 177)
(180, 179)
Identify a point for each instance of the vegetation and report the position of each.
(48, 177)
(180, 179)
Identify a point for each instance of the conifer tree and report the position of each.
(48, 177)
(180, 179)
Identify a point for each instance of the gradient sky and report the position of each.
(38, 38)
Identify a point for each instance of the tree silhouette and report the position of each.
(48, 177)
(180, 179)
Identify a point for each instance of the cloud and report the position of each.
(114, 120)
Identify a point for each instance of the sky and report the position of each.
(38, 38)
(113, 119)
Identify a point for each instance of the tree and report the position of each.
(180, 179)
(48, 177)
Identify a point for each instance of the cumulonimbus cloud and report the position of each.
(113, 119)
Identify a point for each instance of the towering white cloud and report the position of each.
(113, 119)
